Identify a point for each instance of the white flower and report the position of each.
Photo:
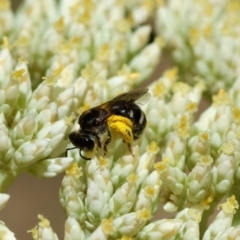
(222, 222)
(209, 47)
(43, 230)
(5, 233)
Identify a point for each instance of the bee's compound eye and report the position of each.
(83, 141)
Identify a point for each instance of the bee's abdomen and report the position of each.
(139, 122)
(137, 116)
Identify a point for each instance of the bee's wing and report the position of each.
(140, 96)
(143, 99)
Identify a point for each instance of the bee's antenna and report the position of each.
(68, 150)
(85, 158)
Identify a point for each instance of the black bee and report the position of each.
(94, 122)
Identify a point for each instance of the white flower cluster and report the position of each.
(203, 38)
(32, 123)
(76, 54)
(58, 42)
(114, 199)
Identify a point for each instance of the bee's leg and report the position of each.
(98, 141)
(85, 158)
(109, 137)
(130, 148)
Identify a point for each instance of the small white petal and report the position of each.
(3, 200)
(5, 233)
(50, 167)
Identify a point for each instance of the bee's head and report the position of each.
(82, 141)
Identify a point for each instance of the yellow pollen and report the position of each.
(206, 160)
(4, 5)
(59, 24)
(144, 214)
(84, 18)
(76, 40)
(192, 107)
(208, 200)
(5, 43)
(69, 120)
(204, 136)
(121, 125)
(153, 147)
(230, 205)
(172, 144)
(90, 5)
(74, 171)
(125, 71)
(209, 9)
(205, 204)
(149, 4)
(171, 74)
(159, 89)
(74, 9)
(149, 191)
(228, 148)
(160, 41)
(183, 128)
(107, 226)
(134, 75)
(161, 166)
(126, 238)
(194, 35)
(132, 178)
(236, 114)
(84, 108)
(207, 31)
(221, 98)
(18, 73)
(57, 71)
(102, 161)
(44, 223)
(160, 3)
(103, 52)
(233, 6)
(195, 215)
(34, 233)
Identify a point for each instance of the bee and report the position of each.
(122, 114)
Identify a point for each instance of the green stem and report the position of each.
(235, 190)
(7, 177)
(206, 217)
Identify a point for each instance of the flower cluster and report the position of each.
(77, 54)
(41, 87)
(203, 37)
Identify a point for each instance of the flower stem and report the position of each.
(7, 178)
(235, 190)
